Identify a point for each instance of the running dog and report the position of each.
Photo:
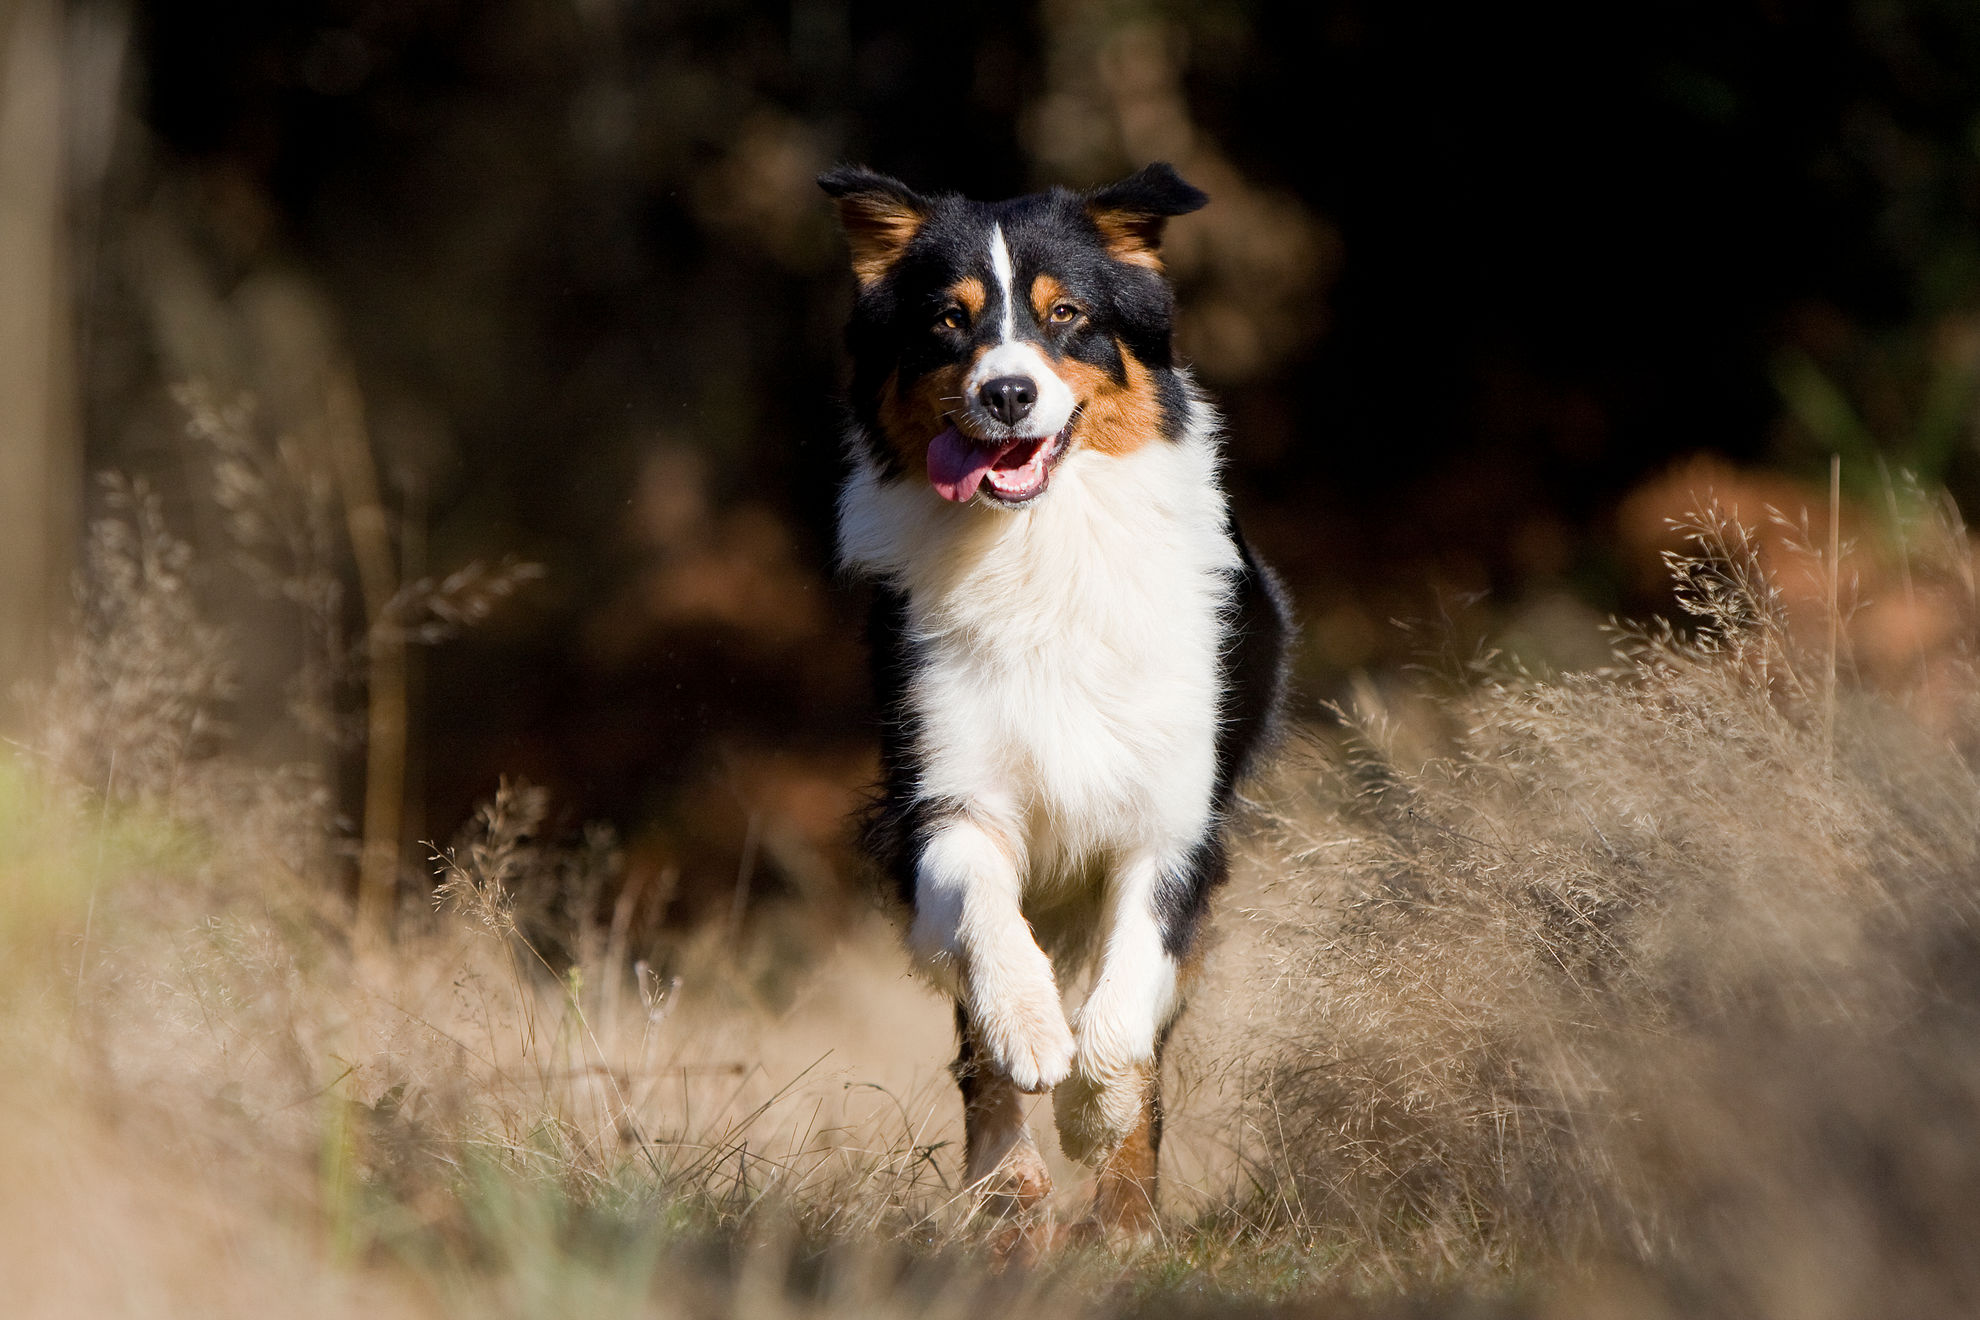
(1075, 653)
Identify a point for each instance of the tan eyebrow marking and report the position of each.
(1046, 293)
(969, 291)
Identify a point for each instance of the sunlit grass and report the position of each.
(1655, 987)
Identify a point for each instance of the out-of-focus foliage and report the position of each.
(1471, 278)
(1651, 987)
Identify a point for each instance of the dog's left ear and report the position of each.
(1132, 213)
(881, 217)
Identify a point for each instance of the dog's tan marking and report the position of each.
(1124, 1193)
(910, 418)
(1130, 237)
(1000, 1160)
(1001, 1165)
(878, 230)
(969, 291)
(1113, 418)
(1046, 293)
(1124, 1197)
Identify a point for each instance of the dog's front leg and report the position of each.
(1120, 1026)
(969, 931)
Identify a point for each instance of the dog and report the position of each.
(1075, 653)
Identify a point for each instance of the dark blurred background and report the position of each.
(1484, 290)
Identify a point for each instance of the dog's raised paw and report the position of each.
(1028, 1040)
(1096, 1114)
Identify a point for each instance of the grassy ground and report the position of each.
(1647, 993)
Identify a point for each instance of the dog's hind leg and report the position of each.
(1000, 1160)
(1110, 1110)
(1002, 1166)
(1124, 1194)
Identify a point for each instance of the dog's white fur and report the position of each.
(1012, 356)
(1067, 693)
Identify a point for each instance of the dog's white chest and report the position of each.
(1066, 684)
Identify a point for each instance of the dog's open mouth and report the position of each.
(1007, 471)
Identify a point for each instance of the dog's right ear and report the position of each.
(881, 217)
(1131, 214)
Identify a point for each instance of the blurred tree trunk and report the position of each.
(40, 452)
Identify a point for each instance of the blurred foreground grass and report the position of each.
(215, 1103)
(1651, 992)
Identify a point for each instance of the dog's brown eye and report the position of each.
(1064, 313)
(955, 319)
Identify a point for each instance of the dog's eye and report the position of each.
(955, 319)
(1064, 313)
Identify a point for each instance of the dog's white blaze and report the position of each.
(1000, 266)
(1067, 690)
(1015, 357)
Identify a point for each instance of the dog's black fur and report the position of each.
(911, 336)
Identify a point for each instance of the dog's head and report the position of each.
(991, 339)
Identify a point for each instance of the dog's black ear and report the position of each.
(1131, 214)
(881, 217)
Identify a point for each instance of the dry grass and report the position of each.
(482, 1110)
(1647, 993)
(1673, 971)
(218, 1102)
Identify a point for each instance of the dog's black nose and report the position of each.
(1009, 398)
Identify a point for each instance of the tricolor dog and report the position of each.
(1076, 655)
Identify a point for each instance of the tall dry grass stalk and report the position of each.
(280, 499)
(1676, 965)
(140, 701)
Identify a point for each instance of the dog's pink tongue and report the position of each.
(956, 465)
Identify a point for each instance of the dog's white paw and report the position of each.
(1105, 1098)
(1026, 1036)
(1096, 1112)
